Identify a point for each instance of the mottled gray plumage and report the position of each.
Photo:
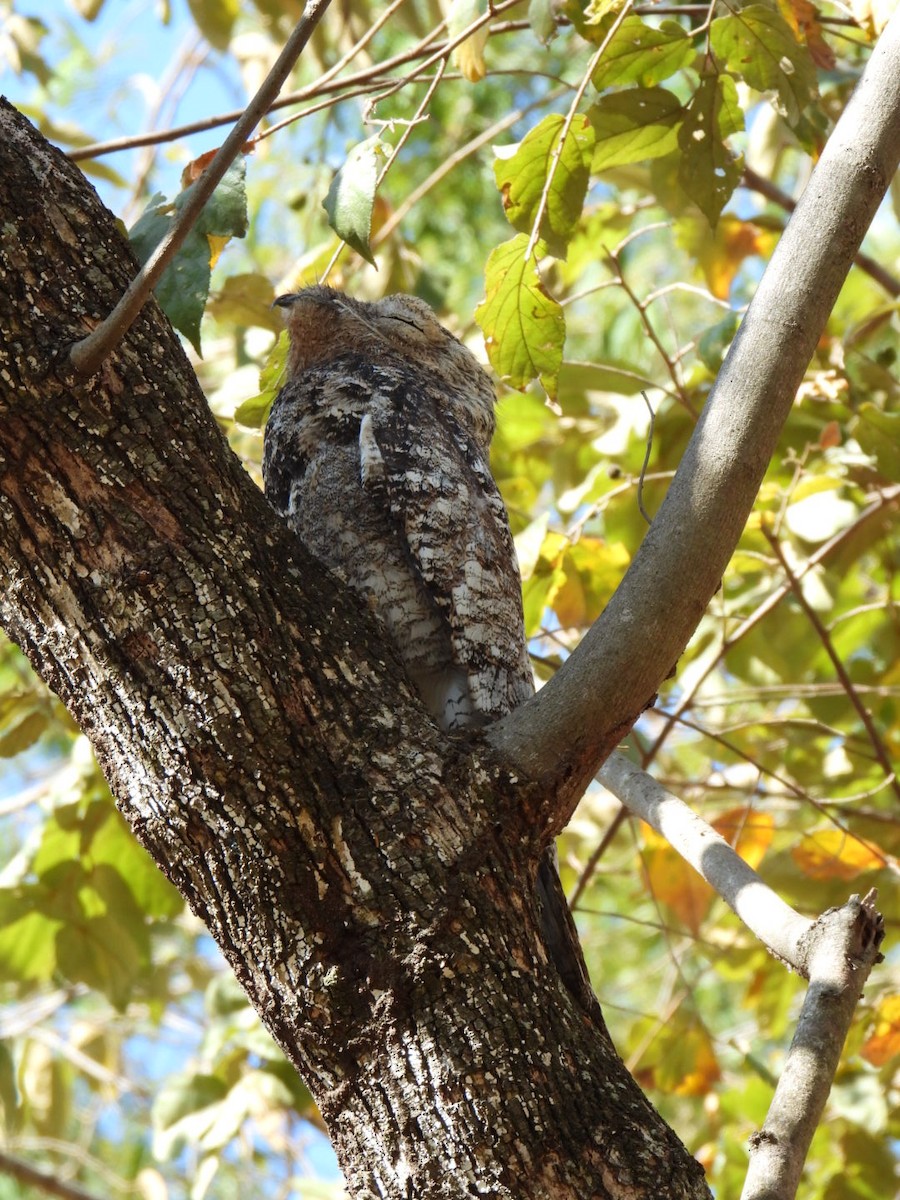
(376, 452)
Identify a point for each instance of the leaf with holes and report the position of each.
(545, 154)
(758, 45)
(708, 171)
(524, 328)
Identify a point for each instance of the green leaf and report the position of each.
(27, 938)
(634, 125)
(542, 19)
(524, 328)
(95, 952)
(708, 171)
(185, 1095)
(714, 342)
(184, 287)
(104, 941)
(254, 411)
(600, 377)
(596, 10)
(758, 45)
(246, 301)
(225, 213)
(114, 845)
(522, 179)
(224, 996)
(215, 20)
(20, 729)
(644, 54)
(351, 197)
(10, 1108)
(878, 433)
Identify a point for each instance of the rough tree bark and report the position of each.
(367, 878)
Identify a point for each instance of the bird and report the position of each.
(376, 453)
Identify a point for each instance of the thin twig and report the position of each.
(323, 85)
(454, 160)
(86, 356)
(179, 77)
(887, 862)
(646, 462)
(641, 306)
(886, 498)
(825, 638)
(418, 116)
(442, 52)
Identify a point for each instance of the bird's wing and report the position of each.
(449, 513)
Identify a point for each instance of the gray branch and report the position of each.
(841, 949)
(780, 929)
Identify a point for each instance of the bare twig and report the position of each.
(886, 498)
(87, 355)
(641, 306)
(646, 462)
(324, 85)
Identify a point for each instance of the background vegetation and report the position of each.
(600, 186)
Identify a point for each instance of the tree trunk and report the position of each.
(368, 879)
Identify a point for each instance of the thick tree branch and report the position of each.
(615, 672)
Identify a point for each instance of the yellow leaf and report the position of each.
(469, 54)
(674, 883)
(721, 253)
(833, 854)
(884, 1041)
(216, 246)
(872, 15)
(748, 831)
(680, 1059)
(803, 18)
(569, 603)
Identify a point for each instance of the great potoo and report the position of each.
(376, 453)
